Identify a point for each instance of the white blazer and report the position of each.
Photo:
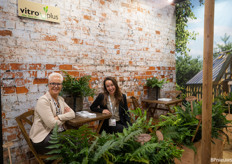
(44, 117)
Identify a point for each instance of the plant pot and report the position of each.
(76, 103)
(228, 131)
(190, 157)
(153, 93)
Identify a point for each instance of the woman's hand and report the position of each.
(56, 118)
(67, 109)
(106, 111)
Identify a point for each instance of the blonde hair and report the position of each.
(55, 74)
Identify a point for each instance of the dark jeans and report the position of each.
(41, 147)
(113, 129)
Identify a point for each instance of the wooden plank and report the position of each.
(223, 68)
(207, 81)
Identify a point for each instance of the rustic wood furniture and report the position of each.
(79, 121)
(152, 105)
(24, 118)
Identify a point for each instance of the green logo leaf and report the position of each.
(45, 9)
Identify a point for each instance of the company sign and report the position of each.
(38, 11)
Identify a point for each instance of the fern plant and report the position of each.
(72, 145)
(123, 147)
(77, 87)
(154, 82)
(83, 146)
(181, 126)
(223, 98)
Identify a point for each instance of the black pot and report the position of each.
(153, 93)
(76, 103)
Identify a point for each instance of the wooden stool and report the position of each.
(228, 103)
(8, 145)
(191, 99)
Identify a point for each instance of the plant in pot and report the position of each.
(184, 127)
(76, 89)
(154, 86)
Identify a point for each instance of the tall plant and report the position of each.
(183, 14)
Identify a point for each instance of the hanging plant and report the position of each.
(183, 14)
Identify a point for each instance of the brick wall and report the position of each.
(128, 39)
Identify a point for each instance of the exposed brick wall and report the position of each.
(128, 39)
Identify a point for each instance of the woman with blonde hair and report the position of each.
(49, 111)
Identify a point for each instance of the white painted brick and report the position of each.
(40, 74)
(22, 98)
(42, 88)
(33, 88)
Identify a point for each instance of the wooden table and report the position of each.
(79, 121)
(152, 105)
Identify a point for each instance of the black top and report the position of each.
(124, 115)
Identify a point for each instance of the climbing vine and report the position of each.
(183, 15)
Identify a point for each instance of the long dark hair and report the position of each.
(117, 93)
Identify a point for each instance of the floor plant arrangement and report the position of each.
(184, 126)
(83, 146)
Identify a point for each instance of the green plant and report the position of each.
(77, 146)
(186, 68)
(183, 15)
(181, 126)
(154, 82)
(71, 146)
(77, 87)
(223, 98)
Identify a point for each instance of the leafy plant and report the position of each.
(181, 126)
(223, 98)
(183, 15)
(77, 87)
(154, 82)
(82, 146)
(227, 45)
(186, 68)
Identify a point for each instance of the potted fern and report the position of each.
(76, 89)
(184, 128)
(154, 85)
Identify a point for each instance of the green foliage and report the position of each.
(123, 147)
(183, 14)
(181, 126)
(227, 45)
(72, 145)
(77, 87)
(219, 121)
(223, 98)
(186, 68)
(154, 82)
(77, 146)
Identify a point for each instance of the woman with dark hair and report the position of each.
(112, 101)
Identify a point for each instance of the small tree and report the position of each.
(227, 45)
(186, 68)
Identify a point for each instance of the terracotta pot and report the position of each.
(190, 157)
(228, 131)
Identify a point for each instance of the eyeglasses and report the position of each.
(54, 84)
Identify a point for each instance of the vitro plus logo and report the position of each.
(38, 11)
(33, 14)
